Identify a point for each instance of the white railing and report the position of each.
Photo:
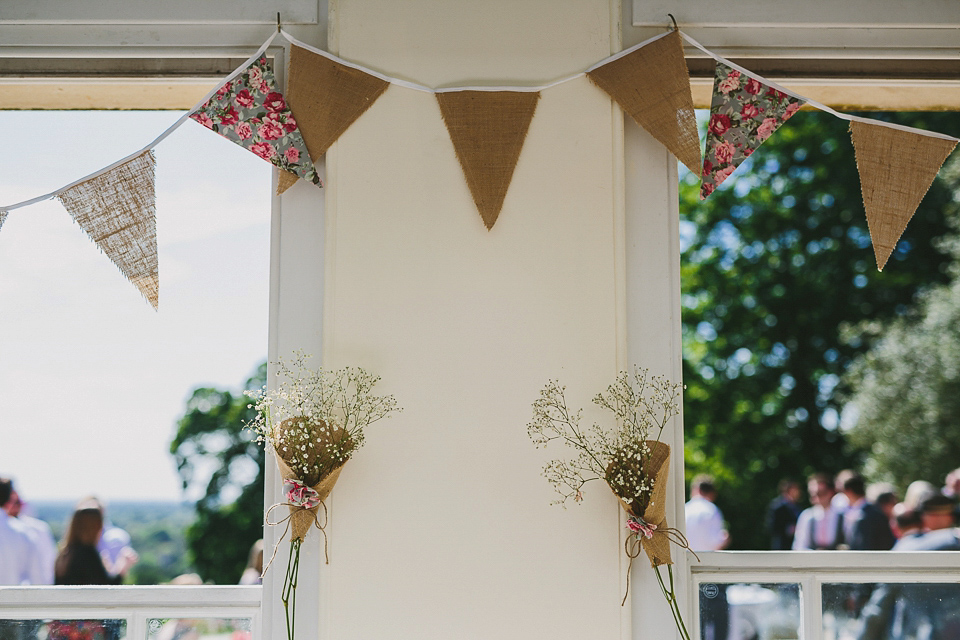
(811, 570)
(138, 606)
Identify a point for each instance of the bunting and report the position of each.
(326, 97)
(744, 112)
(897, 167)
(652, 84)
(117, 209)
(3, 216)
(487, 129)
(249, 111)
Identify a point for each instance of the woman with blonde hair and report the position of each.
(79, 561)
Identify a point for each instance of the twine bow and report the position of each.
(296, 509)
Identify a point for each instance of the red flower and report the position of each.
(263, 150)
(750, 110)
(779, 96)
(203, 119)
(274, 102)
(290, 124)
(719, 124)
(270, 130)
(229, 116)
(707, 167)
(244, 99)
(754, 86)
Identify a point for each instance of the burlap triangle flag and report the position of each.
(118, 211)
(250, 111)
(488, 129)
(744, 112)
(3, 216)
(326, 97)
(896, 169)
(652, 84)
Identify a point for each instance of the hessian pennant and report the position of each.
(118, 211)
(488, 129)
(652, 84)
(249, 111)
(326, 97)
(744, 112)
(896, 169)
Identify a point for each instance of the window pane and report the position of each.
(199, 629)
(63, 629)
(905, 611)
(745, 611)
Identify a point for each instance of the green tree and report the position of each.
(906, 388)
(774, 267)
(211, 439)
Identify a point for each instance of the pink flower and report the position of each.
(641, 527)
(224, 90)
(766, 128)
(229, 116)
(300, 495)
(722, 174)
(292, 155)
(723, 152)
(255, 75)
(290, 124)
(274, 102)
(243, 130)
(707, 167)
(244, 99)
(719, 124)
(203, 119)
(263, 150)
(731, 82)
(270, 131)
(792, 108)
(750, 110)
(754, 86)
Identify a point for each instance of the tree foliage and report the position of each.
(906, 388)
(776, 264)
(211, 440)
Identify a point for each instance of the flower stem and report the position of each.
(671, 598)
(289, 593)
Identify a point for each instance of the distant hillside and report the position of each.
(156, 530)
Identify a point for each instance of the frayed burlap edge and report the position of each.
(326, 97)
(896, 170)
(117, 209)
(488, 129)
(652, 84)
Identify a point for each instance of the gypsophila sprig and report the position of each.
(315, 419)
(641, 405)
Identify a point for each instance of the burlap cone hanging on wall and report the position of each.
(326, 97)
(896, 169)
(654, 512)
(118, 211)
(488, 129)
(652, 84)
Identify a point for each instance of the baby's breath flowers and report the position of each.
(641, 405)
(314, 421)
(628, 456)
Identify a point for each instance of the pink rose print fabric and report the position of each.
(744, 112)
(249, 111)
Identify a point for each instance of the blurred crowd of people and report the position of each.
(92, 550)
(844, 513)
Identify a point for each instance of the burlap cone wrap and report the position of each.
(301, 519)
(654, 512)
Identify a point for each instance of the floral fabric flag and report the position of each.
(744, 112)
(249, 111)
(3, 216)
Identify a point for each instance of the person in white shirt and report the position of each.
(705, 530)
(820, 526)
(40, 534)
(19, 562)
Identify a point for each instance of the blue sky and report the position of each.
(92, 379)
